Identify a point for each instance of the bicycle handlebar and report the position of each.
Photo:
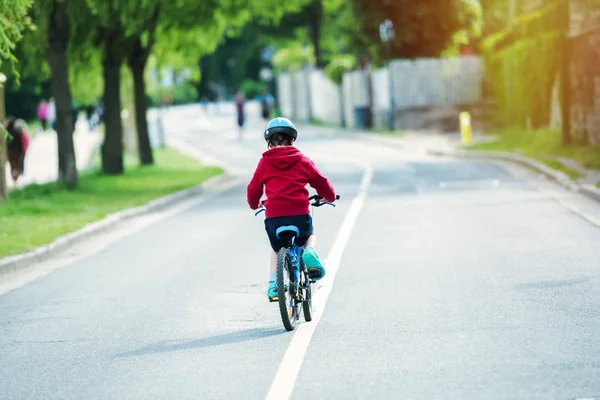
(318, 199)
(317, 203)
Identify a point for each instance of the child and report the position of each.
(283, 172)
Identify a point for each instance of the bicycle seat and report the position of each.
(290, 229)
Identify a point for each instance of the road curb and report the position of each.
(557, 176)
(12, 264)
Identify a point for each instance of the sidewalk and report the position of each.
(41, 161)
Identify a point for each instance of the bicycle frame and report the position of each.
(294, 251)
(298, 282)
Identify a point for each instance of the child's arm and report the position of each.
(255, 188)
(320, 183)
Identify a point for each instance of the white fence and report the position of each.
(418, 83)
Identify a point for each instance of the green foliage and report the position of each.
(293, 58)
(338, 66)
(541, 144)
(522, 78)
(252, 88)
(85, 75)
(182, 48)
(495, 14)
(548, 19)
(522, 65)
(184, 93)
(470, 15)
(423, 28)
(13, 22)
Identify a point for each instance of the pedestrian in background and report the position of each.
(52, 113)
(42, 113)
(17, 145)
(89, 116)
(265, 105)
(240, 102)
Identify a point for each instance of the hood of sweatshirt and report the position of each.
(282, 158)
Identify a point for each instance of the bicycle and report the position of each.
(293, 278)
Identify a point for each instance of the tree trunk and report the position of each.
(112, 148)
(565, 76)
(314, 28)
(58, 38)
(342, 106)
(3, 183)
(137, 63)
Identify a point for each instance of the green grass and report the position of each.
(598, 184)
(543, 145)
(557, 165)
(37, 214)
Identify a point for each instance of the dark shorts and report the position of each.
(303, 222)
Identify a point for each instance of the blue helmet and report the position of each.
(281, 126)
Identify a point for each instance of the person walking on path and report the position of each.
(18, 143)
(265, 104)
(240, 101)
(42, 113)
(52, 113)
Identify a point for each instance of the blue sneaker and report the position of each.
(272, 292)
(316, 271)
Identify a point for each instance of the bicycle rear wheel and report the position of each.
(307, 294)
(307, 303)
(287, 303)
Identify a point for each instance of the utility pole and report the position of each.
(386, 33)
(512, 8)
(307, 77)
(565, 74)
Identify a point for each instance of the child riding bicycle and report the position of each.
(282, 175)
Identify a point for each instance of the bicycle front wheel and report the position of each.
(285, 285)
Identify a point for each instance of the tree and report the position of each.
(50, 50)
(106, 28)
(173, 22)
(315, 12)
(423, 29)
(14, 20)
(141, 46)
(58, 42)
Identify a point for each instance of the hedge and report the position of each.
(522, 65)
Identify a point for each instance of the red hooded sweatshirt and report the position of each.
(283, 172)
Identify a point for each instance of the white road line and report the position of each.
(285, 379)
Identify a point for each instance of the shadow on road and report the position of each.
(228, 338)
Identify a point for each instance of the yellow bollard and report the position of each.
(466, 131)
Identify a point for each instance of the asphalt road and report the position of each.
(456, 280)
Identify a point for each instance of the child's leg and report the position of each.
(311, 242)
(272, 290)
(273, 264)
(311, 259)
